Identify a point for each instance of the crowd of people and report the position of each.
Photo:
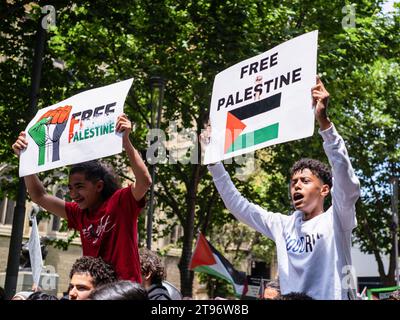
(313, 244)
(92, 278)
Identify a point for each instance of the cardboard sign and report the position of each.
(78, 129)
(264, 100)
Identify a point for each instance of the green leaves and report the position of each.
(189, 42)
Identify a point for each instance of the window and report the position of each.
(176, 233)
(7, 207)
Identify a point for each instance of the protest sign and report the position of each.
(78, 129)
(264, 100)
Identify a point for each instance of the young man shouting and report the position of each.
(313, 245)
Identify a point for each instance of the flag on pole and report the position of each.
(207, 259)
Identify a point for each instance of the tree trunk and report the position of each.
(187, 275)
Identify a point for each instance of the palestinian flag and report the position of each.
(236, 122)
(207, 259)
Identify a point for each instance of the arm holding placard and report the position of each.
(346, 186)
(142, 175)
(35, 187)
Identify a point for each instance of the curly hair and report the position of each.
(319, 169)
(38, 295)
(100, 271)
(151, 263)
(95, 171)
(120, 290)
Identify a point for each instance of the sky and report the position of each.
(388, 6)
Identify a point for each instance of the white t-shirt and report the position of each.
(313, 255)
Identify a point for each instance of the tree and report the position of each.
(189, 42)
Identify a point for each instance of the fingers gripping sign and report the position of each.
(124, 126)
(320, 104)
(20, 144)
(205, 138)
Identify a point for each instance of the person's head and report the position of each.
(151, 268)
(120, 290)
(88, 273)
(22, 295)
(91, 183)
(296, 296)
(310, 184)
(39, 295)
(271, 291)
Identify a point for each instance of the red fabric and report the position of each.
(111, 232)
(202, 254)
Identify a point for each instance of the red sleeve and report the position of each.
(73, 215)
(126, 199)
(138, 204)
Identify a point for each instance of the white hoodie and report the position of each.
(313, 255)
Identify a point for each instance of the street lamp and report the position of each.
(157, 86)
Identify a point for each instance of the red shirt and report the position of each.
(111, 232)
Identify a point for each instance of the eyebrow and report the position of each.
(77, 184)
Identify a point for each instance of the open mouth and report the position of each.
(297, 197)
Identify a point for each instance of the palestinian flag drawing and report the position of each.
(207, 259)
(236, 123)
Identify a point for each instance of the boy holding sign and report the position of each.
(313, 245)
(105, 214)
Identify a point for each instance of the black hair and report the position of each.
(151, 263)
(296, 296)
(120, 290)
(319, 169)
(100, 271)
(95, 171)
(38, 295)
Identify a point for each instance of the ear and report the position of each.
(99, 185)
(148, 276)
(325, 190)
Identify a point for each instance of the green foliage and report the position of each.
(216, 287)
(189, 42)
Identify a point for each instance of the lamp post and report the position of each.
(157, 86)
(19, 211)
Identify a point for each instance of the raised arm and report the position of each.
(346, 186)
(143, 179)
(35, 187)
(265, 222)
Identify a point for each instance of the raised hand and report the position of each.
(20, 144)
(205, 138)
(124, 125)
(320, 103)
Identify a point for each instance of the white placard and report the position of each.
(264, 100)
(78, 129)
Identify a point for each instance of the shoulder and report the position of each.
(72, 208)
(158, 292)
(124, 195)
